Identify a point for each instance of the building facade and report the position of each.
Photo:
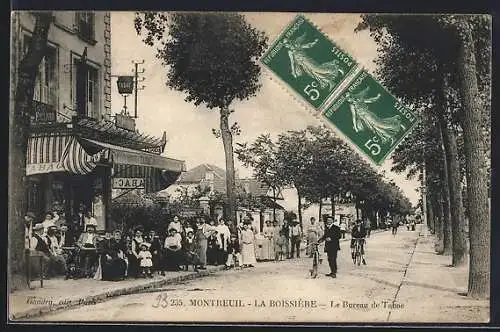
(78, 152)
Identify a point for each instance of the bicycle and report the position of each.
(316, 260)
(356, 258)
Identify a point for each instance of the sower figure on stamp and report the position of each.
(332, 245)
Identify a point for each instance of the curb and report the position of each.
(69, 303)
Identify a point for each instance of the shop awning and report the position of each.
(126, 156)
(157, 171)
(55, 152)
(45, 152)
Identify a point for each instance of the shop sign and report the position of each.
(125, 122)
(125, 84)
(128, 183)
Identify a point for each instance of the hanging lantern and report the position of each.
(125, 84)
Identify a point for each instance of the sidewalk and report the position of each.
(59, 294)
(432, 291)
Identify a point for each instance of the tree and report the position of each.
(18, 142)
(477, 178)
(459, 52)
(261, 155)
(213, 59)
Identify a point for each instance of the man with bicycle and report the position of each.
(358, 233)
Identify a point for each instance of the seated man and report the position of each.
(58, 260)
(87, 244)
(39, 246)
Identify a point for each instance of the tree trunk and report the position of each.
(431, 216)
(320, 208)
(299, 207)
(459, 244)
(18, 142)
(477, 178)
(447, 233)
(333, 205)
(438, 206)
(227, 141)
(274, 205)
(445, 200)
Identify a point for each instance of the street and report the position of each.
(285, 292)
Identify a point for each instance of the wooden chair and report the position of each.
(32, 256)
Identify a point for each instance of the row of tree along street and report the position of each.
(441, 64)
(319, 165)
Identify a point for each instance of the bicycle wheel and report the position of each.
(358, 257)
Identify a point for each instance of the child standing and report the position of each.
(234, 255)
(146, 261)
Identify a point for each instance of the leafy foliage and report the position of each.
(320, 165)
(211, 56)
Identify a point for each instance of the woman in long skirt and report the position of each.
(268, 245)
(203, 232)
(247, 242)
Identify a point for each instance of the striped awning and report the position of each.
(67, 153)
(45, 152)
(77, 161)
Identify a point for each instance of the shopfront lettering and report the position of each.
(128, 183)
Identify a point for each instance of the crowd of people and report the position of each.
(181, 244)
(137, 252)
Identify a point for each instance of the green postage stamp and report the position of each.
(333, 83)
(308, 62)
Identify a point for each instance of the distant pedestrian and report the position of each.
(343, 227)
(332, 246)
(395, 224)
(295, 237)
(368, 226)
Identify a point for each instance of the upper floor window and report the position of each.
(46, 82)
(85, 23)
(87, 90)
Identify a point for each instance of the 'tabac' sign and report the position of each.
(128, 183)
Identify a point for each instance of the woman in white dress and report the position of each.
(247, 243)
(223, 238)
(268, 244)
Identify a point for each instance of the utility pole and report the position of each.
(136, 81)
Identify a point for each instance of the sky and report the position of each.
(273, 110)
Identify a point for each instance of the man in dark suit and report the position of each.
(332, 245)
